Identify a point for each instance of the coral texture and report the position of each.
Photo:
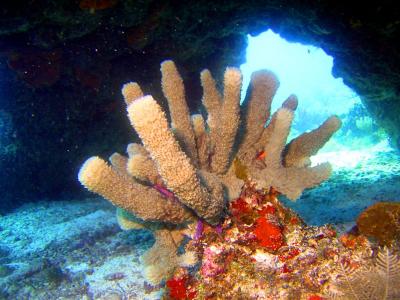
(381, 222)
(379, 280)
(263, 250)
(190, 169)
(146, 115)
(147, 203)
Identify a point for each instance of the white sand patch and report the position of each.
(34, 227)
(119, 278)
(348, 159)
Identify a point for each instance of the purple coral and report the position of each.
(212, 263)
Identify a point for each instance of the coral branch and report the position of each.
(277, 138)
(173, 89)
(228, 121)
(202, 140)
(257, 107)
(131, 91)
(300, 149)
(143, 168)
(212, 102)
(119, 163)
(97, 176)
(151, 124)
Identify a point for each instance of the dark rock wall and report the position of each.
(62, 64)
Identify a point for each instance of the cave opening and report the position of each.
(306, 71)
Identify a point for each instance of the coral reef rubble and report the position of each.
(263, 250)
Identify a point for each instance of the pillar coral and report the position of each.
(185, 171)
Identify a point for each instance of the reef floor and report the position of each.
(75, 249)
(70, 250)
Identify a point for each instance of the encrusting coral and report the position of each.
(187, 171)
(263, 250)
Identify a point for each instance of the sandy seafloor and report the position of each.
(75, 249)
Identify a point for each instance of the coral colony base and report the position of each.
(208, 186)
